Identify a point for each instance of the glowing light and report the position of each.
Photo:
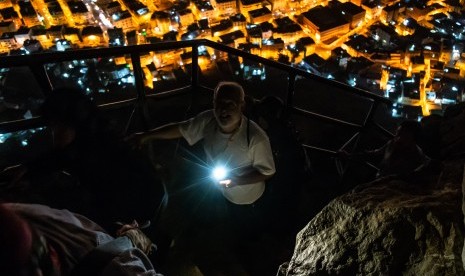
(219, 173)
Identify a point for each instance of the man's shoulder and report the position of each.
(256, 133)
(206, 114)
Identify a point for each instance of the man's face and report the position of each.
(228, 110)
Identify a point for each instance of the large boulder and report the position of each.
(387, 227)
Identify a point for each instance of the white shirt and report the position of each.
(233, 151)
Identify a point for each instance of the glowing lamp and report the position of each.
(219, 173)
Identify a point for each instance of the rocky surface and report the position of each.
(388, 227)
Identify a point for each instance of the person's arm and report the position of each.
(248, 178)
(165, 132)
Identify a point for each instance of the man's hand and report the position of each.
(137, 237)
(233, 180)
(137, 140)
(227, 183)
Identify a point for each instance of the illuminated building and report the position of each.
(40, 35)
(383, 34)
(160, 22)
(253, 70)
(103, 3)
(113, 7)
(223, 27)
(170, 36)
(248, 5)
(116, 37)
(120, 71)
(225, 7)
(161, 4)
(250, 48)
(5, 4)
(318, 66)
(271, 48)
(254, 33)
(132, 38)
(56, 13)
(308, 43)
(7, 26)
(123, 20)
(233, 39)
(325, 23)
(63, 45)
(28, 14)
(9, 14)
(341, 57)
(372, 8)
(259, 15)
(92, 36)
(203, 9)
(71, 34)
(239, 21)
(204, 28)
(7, 41)
(288, 30)
(407, 27)
(136, 7)
(358, 45)
(79, 13)
(392, 13)
(266, 29)
(186, 17)
(278, 5)
(301, 48)
(349, 11)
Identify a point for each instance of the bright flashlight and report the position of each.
(219, 173)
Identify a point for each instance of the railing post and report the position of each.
(42, 78)
(290, 92)
(195, 66)
(140, 89)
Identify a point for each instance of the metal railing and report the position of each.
(36, 62)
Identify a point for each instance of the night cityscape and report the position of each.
(407, 51)
(376, 63)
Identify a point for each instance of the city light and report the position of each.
(375, 29)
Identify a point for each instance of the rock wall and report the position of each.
(387, 227)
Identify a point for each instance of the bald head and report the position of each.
(229, 90)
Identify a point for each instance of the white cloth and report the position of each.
(233, 151)
(73, 236)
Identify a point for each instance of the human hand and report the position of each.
(138, 238)
(229, 183)
(136, 140)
